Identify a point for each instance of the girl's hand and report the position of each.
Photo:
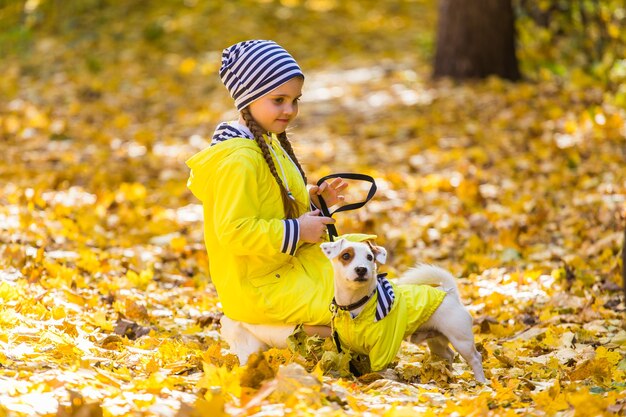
(330, 192)
(313, 226)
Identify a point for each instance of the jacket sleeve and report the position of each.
(237, 211)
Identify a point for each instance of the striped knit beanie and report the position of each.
(251, 69)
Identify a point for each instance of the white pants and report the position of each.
(245, 339)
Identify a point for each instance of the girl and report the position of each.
(260, 232)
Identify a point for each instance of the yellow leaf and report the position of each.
(187, 66)
(178, 244)
(256, 371)
(74, 298)
(154, 384)
(58, 312)
(194, 329)
(212, 405)
(570, 126)
(121, 121)
(613, 30)
(145, 136)
(88, 261)
(99, 318)
(140, 280)
(321, 5)
(12, 124)
(611, 357)
(8, 292)
(135, 310)
(499, 330)
(552, 399)
(468, 192)
(552, 338)
(588, 404)
(221, 378)
(214, 356)
(546, 315)
(598, 368)
(133, 192)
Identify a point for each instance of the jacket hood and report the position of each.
(228, 137)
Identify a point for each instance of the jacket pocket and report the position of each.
(270, 277)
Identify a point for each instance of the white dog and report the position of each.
(372, 316)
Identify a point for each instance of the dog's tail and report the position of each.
(425, 274)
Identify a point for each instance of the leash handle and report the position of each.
(332, 230)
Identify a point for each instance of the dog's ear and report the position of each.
(332, 249)
(380, 254)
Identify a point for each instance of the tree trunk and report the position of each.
(475, 39)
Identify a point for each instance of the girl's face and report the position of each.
(275, 110)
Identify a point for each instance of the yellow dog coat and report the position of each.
(411, 307)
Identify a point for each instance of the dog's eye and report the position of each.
(370, 258)
(345, 256)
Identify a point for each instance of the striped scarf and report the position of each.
(229, 130)
(385, 297)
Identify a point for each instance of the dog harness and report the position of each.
(411, 307)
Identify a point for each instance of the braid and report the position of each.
(284, 141)
(290, 206)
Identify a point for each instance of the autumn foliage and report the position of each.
(106, 306)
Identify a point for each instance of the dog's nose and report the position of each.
(360, 270)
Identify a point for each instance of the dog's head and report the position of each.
(354, 262)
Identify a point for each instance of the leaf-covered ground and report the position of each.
(106, 307)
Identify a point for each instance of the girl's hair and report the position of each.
(290, 205)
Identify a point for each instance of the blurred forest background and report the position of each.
(106, 306)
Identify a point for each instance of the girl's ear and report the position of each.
(332, 249)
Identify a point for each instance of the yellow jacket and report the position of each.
(260, 269)
(412, 306)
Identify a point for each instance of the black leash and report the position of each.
(353, 369)
(332, 230)
(332, 234)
